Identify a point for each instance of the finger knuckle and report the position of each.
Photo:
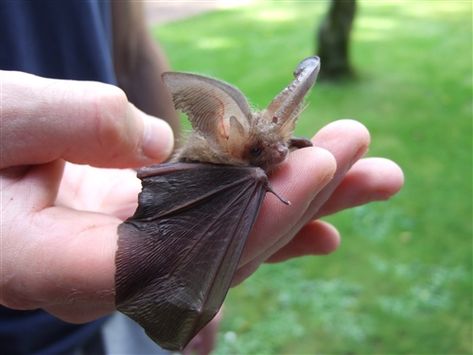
(110, 111)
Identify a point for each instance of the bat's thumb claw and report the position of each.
(280, 198)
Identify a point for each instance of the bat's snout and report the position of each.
(280, 152)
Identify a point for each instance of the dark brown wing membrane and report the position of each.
(177, 255)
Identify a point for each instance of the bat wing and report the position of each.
(178, 253)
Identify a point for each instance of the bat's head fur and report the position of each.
(226, 130)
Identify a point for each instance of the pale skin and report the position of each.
(60, 218)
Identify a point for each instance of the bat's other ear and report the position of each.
(216, 109)
(286, 106)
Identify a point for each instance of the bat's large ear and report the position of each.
(215, 108)
(286, 106)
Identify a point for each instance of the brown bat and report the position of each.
(178, 253)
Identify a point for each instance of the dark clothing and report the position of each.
(57, 39)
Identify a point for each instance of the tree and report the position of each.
(334, 40)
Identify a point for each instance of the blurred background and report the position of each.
(401, 281)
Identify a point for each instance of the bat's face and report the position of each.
(265, 154)
(266, 147)
(226, 130)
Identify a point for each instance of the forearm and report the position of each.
(139, 63)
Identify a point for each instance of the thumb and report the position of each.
(82, 122)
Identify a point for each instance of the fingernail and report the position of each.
(158, 140)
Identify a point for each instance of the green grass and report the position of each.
(402, 280)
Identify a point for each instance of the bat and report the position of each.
(178, 253)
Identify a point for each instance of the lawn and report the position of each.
(401, 281)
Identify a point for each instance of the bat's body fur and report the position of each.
(265, 146)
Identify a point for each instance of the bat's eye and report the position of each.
(256, 151)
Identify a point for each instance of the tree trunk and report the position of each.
(334, 40)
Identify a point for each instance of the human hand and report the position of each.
(59, 237)
(318, 181)
(59, 225)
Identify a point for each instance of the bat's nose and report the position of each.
(281, 152)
